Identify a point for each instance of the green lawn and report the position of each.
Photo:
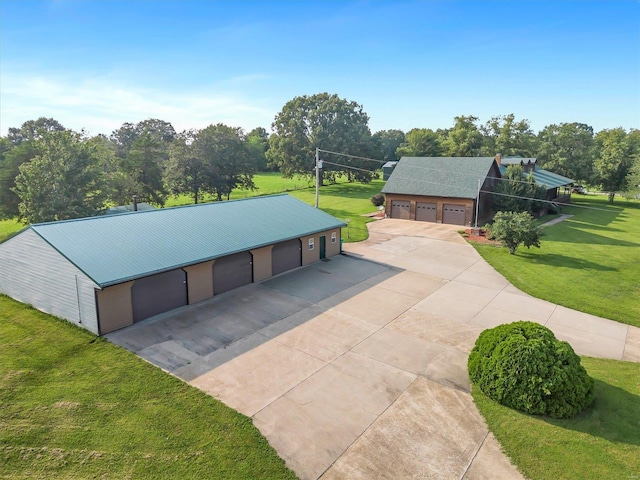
(346, 201)
(603, 442)
(589, 262)
(77, 406)
(267, 183)
(8, 227)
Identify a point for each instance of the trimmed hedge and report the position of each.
(523, 365)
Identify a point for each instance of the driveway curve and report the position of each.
(356, 367)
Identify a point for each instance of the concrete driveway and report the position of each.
(356, 367)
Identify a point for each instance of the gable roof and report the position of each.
(439, 176)
(544, 177)
(116, 248)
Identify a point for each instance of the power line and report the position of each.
(351, 156)
(348, 166)
(488, 192)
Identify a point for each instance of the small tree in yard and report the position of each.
(514, 229)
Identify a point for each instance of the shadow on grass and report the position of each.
(557, 260)
(613, 416)
(571, 234)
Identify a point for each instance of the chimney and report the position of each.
(135, 203)
(499, 158)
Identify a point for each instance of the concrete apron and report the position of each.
(356, 368)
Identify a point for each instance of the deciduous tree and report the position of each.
(614, 160)
(186, 172)
(517, 192)
(464, 139)
(386, 143)
(33, 130)
(224, 153)
(258, 143)
(321, 121)
(10, 161)
(567, 149)
(420, 142)
(508, 136)
(64, 180)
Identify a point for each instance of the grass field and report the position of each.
(603, 442)
(267, 183)
(76, 406)
(9, 227)
(346, 201)
(589, 262)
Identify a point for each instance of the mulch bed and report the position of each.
(482, 238)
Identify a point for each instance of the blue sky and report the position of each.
(95, 64)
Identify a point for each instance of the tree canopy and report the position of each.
(614, 160)
(386, 142)
(64, 180)
(421, 142)
(567, 149)
(321, 121)
(515, 191)
(150, 159)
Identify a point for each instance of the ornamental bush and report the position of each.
(523, 365)
(378, 199)
(514, 229)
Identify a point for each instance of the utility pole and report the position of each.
(318, 176)
(478, 203)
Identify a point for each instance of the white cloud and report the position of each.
(102, 104)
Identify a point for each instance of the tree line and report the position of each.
(49, 172)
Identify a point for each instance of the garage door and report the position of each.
(401, 210)
(426, 212)
(158, 293)
(232, 272)
(285, 256)
(453, 214)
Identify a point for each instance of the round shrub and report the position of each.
(523, 365)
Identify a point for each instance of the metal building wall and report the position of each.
(33, 272)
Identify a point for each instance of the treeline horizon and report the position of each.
(49, 172)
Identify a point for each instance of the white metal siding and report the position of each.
(33, 272)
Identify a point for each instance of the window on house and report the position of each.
(334, 236)
(311, 243)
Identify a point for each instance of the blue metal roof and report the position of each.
(116, 248)
(544, 177)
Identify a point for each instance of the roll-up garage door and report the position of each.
(400, 209)
(158, 293)
(426, 212)
(232, 272)
(453, 214)
(285, 256)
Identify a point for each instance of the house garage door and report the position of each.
(400, 209)
(426, 212)
(158, 293)
(232, 272)
(453, 214)
(285, 256)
